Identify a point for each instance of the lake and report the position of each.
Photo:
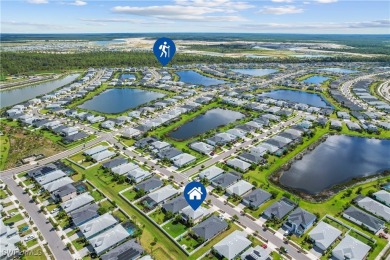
(127, 76)
(255, 72)
(210, 120)
(114, 41)
(298, 97)
(337, 160)
(338, 70)
(193, 77)
(118, 100)
(17, 95)
(310, 56)
(315, 79)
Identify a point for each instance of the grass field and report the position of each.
(4, 149)
(34, 254)
(189, 242)
(175, 228)
(150, 231)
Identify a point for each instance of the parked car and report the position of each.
(383, 235)
(55, 210)
(29, 237)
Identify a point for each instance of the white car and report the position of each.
(55, 210)
(28, 238)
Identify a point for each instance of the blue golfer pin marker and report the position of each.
(164, 49)
(195, 193)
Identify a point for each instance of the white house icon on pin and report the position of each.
(195, 193)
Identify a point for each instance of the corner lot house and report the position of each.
(210, 173)
(97, 225)
(210, 227)
(299, 221)
(78, 202)
(362, 218)
(323, 235)
(255, 198)
(350, 248)
(239, 188)
(108, 239)
(232, 245)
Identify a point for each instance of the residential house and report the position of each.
(202, 147)
(114, 163)
(42, 170)
(77, 202)
(299, 221)
(69, 131)
(183, 159)
(108, 239)
(225, 180)
(9, 238)
(169, 153)
(211, 172)
(64, 193)
(239, 188)
(97, 225)
(84, 214)
(350, 248)
(95, 150)
(55, 185)
(160, 196)
(360, 217)
(238, 164)
(256, 198)
(257, 253)
(233, 245)
(175, 205)
(188, 214)
(108, 124)
(323, 235)
(137, 175)
(49, 177)
(382, 196)
(130, 249)
(210, 228)
(279, 209)
(103, 156)
(149, 185)
(374, 208)
(124, 168)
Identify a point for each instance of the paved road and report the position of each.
(384, 90)
(56, 245)
(244, 220)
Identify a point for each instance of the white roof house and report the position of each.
(238, 164)
(211, 172)
(202, 147)
(232, 245)
(95, 150)
(138, 174)
(324, 235)
(183, 159)
(55, 185)
(194, 215)
(350, 248)
(77, 202)
(108, 239)
(162, 194)
(97, 225)
(131, 132)
(239, 188)
(102, 155)
(49, 177)
(124, 168)
(383, 196)
(375, 208)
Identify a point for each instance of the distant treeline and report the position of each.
(27, 62)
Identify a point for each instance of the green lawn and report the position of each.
(190, 243)
(4, 149)
(127, 142)
(78, 244)
(71, 233)
(107, 205)
(165, 247)
(130, 194)
(34, 254)
(13, 219)
(3, 195)
(32, 242)
(118, 214)
(159, 216)
(175, 228)
(77, 157)
(96, 195)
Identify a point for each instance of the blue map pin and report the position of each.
(164, 49)
(195, 193)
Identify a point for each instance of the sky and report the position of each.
(271, 16)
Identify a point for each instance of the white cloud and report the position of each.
(43, 26)
(280, 10)
(37, 1)
(282, 1)
(78, 3)
(326, 1)
(190, 10)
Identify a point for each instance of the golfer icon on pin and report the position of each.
(195, 193)
(164, 49)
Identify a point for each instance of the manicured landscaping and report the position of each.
(32, 242)
(130, 194)
(175, 228)
(189, 242)
(96, 195)
(159, 216)
(13, 219)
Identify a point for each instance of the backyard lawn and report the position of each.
(189, 242)
(130, 194)
(13, 219)
(175, 228)
(159, 216)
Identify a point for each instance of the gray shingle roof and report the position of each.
(279, 209)
(257, 197)
(225, 180)
(350, 248)
(324, 235)
(149, 184)
(210, 227)
(364, 217)
(175, 205)
(232, 245)
(129, 250)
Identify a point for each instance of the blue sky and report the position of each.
(276, 16)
